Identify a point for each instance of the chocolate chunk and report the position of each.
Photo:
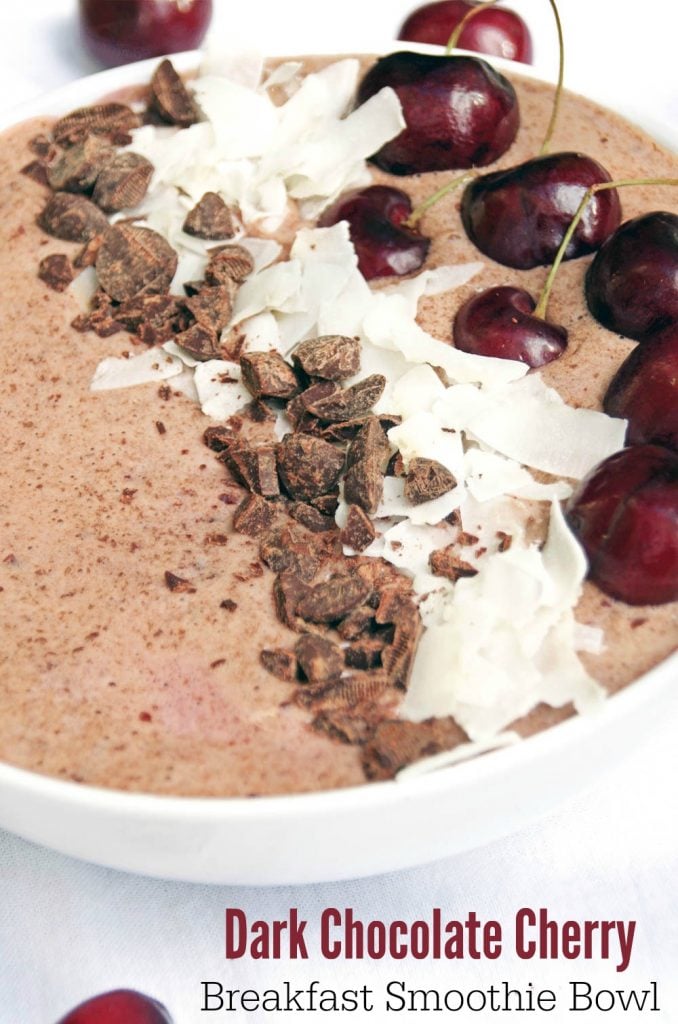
(311, 518)
(219, 438)
(56, 271)
(201, 342)
(157, 311)
(280, 663)
(332, 600)
(76, 169)
(467, 540)
(359, 689)
(210, 218)
(308, 467)
(399, 743)
(351, 402)
(332, 357)
(253, 516)
(348, 430)
(123, 182)
(294, 549)
(320, 660)
(255, 466)
(427, 479)
(288, 591)
(365, 654)
(132, 260)
(170, 98)
(228, 263)
(297, 409)
(72, 218)
(259, 412)
(178, 585)
(356, 623)
(346, 726)
(366, 462)
(36, 170)
(446, 562)
(358, 532)
(267, 375)
(100, 119)
(212, 306)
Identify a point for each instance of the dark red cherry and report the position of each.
(495, 30)
(499, 322)
(632, 284)
(120, 1007)
(644, 391)
(519, 216)
(384, 246)
(459, 111)
(625, 514)
(119, 31)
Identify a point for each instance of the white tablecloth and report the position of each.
(68, 929)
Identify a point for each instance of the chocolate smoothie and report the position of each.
(113, 675)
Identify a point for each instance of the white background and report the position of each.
(68, 930)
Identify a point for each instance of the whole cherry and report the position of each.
(625, 514)
(123, 1006)
(119, 31)
(518, 217)
(632, 284)
(385, 246)
(497, 31)
(500, 322)
(459, 111)
(645, 391)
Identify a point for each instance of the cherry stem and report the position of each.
(419, 211)
(603, 186)
(559, 87)
(454, 38)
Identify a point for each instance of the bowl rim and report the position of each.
(323, 803)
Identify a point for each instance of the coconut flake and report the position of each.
(150, 367)
(530, 423)
(220, 392)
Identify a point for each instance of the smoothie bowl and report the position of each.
(280, 563)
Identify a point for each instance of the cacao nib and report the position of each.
(395, 744)
(320, 660)
(332, 600)
(332, 357)
(280, 663)
(359, 532)
(73, 218)
(170, 98)
(123, 182)
(210, 218)
(427, 479)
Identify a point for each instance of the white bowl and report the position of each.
(339, 834)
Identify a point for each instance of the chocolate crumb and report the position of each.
(320, 660)
(467, 540)
(210, 218)
(280, 663)
(56, 271)
(160, 427)
(426, 480)
(228, 605)
(505, 540)
(177, 584)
